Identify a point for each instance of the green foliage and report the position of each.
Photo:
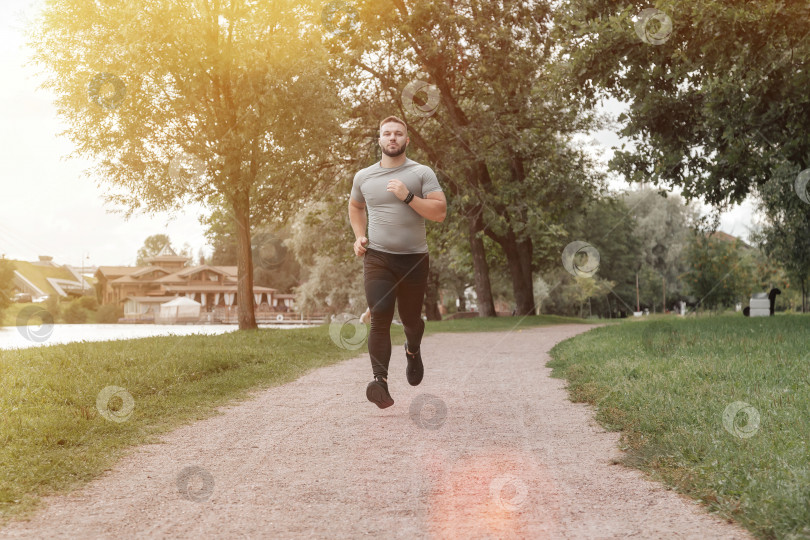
(88, 302)
(575, 296)
(52, 306)
(74, 313)
(84, 309)
(720, 273)
(321, 240)
(238, 90)
(109, 314)
(666, 385)
(609, 226)
(785, 236)
(6, 284)
(664, 225)
(151, 247)
(274, 264)
(716, 106)
(501, 136)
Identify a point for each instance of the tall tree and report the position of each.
(785, 236)
(664, 226)
(151, 247)
(717, 91)
(720, 273)
(608, 225)
(221, 102)
(473, 81)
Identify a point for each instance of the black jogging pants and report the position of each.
(394, 278)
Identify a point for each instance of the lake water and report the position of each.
(20, 337)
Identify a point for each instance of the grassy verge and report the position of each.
(499, 323)
(54, 438)
(8, 317)
(718, 408)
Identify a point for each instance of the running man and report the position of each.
(400, 194)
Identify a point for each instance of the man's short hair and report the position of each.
(394, 119)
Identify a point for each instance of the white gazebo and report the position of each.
(179, 310)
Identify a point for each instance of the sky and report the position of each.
(49, 207)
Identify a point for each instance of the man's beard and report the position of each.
(395, 153)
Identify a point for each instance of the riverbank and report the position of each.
(23, 337)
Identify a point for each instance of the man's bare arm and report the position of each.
(432, 207)
(357, 217)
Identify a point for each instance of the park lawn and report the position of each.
(54, 439)
(669, 386)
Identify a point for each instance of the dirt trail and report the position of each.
(488, 446)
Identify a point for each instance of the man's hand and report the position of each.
(399, 189)
(359, 246)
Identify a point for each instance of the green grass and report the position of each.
(8, 316)
(53, 438)
(666, 384)
(498, 324)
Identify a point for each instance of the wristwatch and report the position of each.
(409, 198)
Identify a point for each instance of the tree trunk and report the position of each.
(432, 297)
(244, 263)
(522, 284)
(486, 306)
(527, 307)
(518, 256)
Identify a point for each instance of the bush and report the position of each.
(108, 314)
(51, 305)
(88, 302)
(75, 313)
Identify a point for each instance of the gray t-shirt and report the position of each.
(393, 226)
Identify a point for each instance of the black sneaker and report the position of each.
(415, 370)
(377, 393)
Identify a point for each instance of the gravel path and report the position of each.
(488, 446)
